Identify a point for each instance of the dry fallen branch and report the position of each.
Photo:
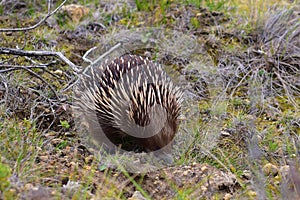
(27, 68)
(37, 24)
(17, 67)
(20, 52)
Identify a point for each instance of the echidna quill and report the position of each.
(134, 103)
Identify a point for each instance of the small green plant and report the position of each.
(1, 10)
(62, 18)
(194, 22)
(196, 3)
(145, 5)
(5, 191)
(5, 173)
(65, 124)
(212, 5)
(30, 11)
(62, 145)
(215, 5)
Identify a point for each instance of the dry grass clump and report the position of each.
(263, 88)
(270, 67)
(280, 48)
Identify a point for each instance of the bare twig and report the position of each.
(84, 57)
(27, 68)
(118, 45)
(5, 88)
(39, 63)
(20, 52)
(70, 84)
(17, 67)
(37, 24)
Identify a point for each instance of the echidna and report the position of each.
(133, 101)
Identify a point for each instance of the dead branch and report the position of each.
(37, 24)
(27, 68)
(20, 52)
(17, 67)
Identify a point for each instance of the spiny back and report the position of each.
(133, 98)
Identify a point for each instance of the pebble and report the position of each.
(203, 188)
(185, 173)
(227, 196)
(75, 12)
(225, 133)
(44, 158)
(56, 141)
(137, 196)
(246, 174)
(69, 134)
(52, 133)
(204, 168)
(58, 72)
(270, 169)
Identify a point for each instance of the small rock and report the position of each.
(293, 155)
(185, 173)
(137, 196)
(227, 196)
(38, 148)
(75, 12)
(69, 134)
(270, 169)
(203, 188)
(187, 167)
(204, 168)
(155, 182)
(225, 133)
(58, 72)
(246, 174)
(56, 141)
(52, 133)
(44, 158)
